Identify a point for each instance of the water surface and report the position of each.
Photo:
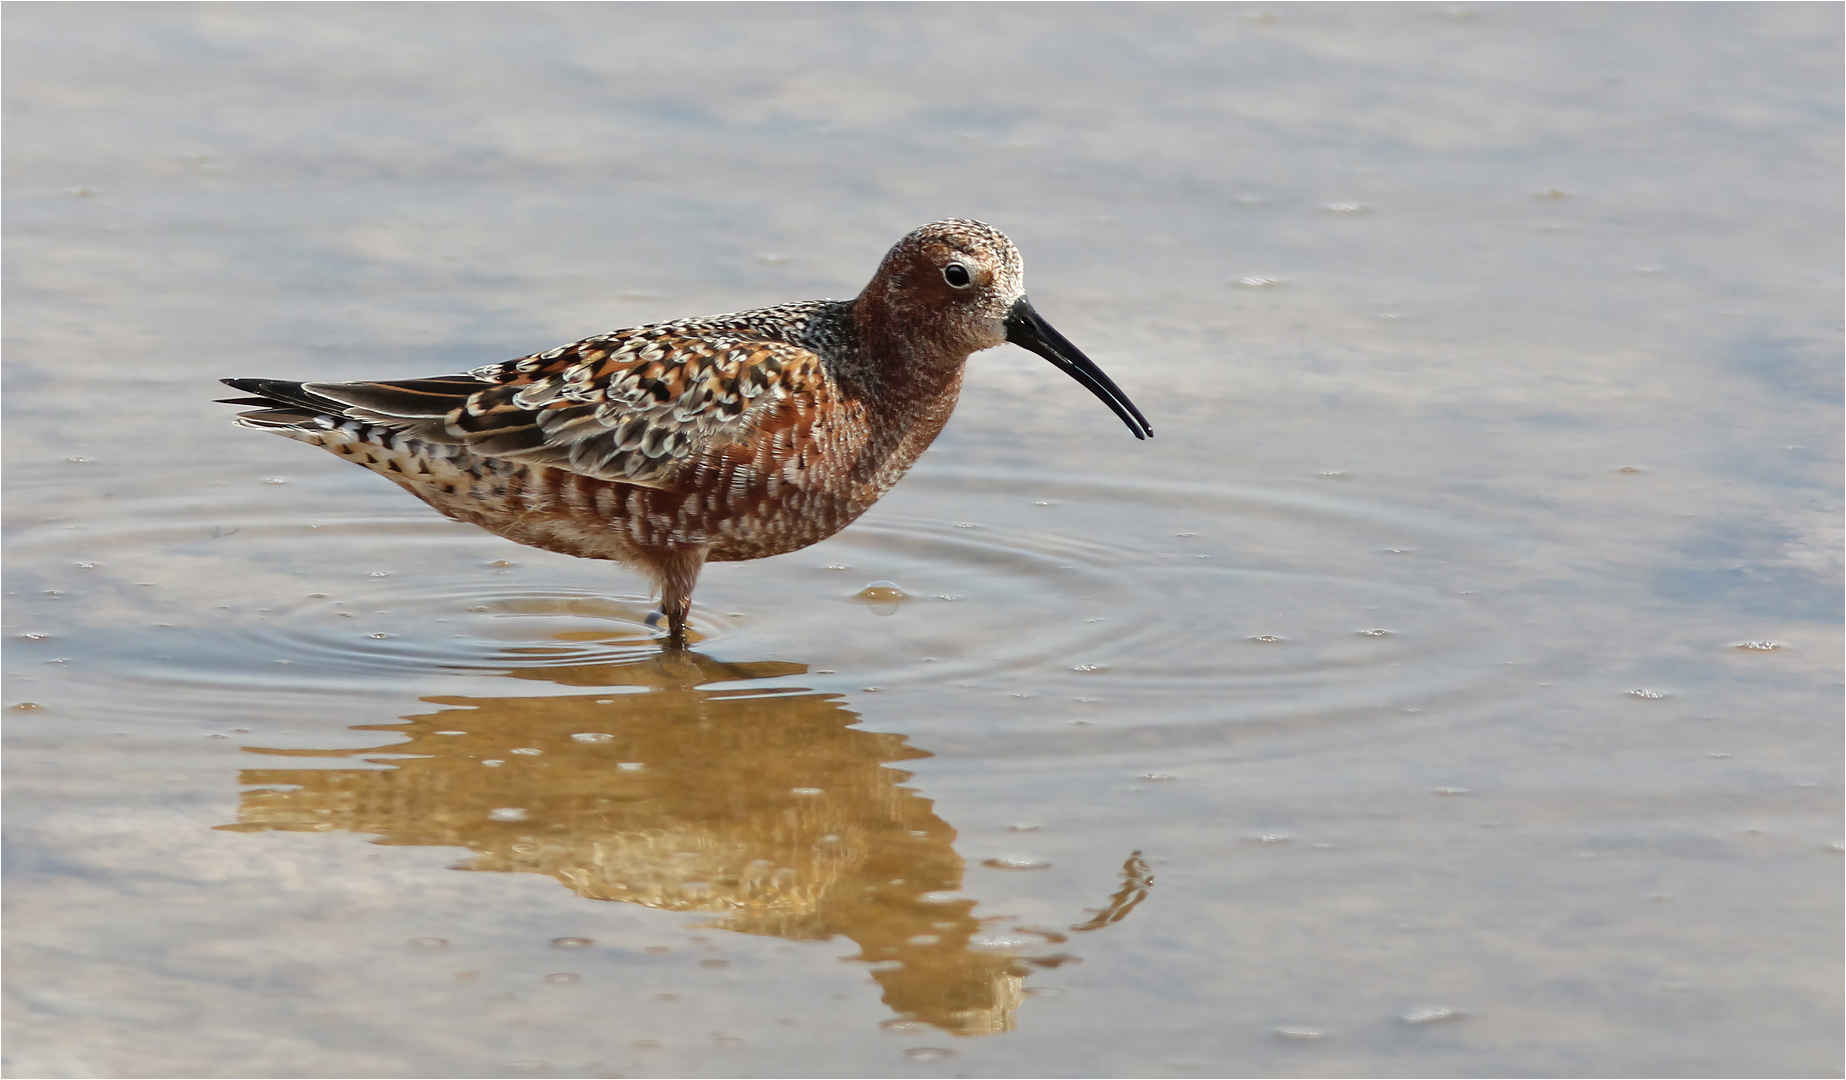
(1451, 687)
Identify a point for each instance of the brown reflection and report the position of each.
(764, 807)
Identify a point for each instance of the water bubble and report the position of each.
(528, 751)
(903, 1026)
(1432, 1014)
(275, 480)
(378, 637)
(941, 896)
(1628, 469)
(450, 733)
(1015, 862)
(592, 737)
(28, 706)
(1025, 826)
(1091, 667)
(883, 596)
(1267, 639)
(1649, 695)
(1346, 208)
(507, 813)
(493, 763)
(994, 942)
(1373, 633)
(1758, 646)
(928, 1053)
(631, 766)
(807, 791)
(1251, 281)
(1453, 791)
(1302, 1034)
(1157, 776)
(572, 942)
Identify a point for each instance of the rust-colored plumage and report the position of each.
(723, 438)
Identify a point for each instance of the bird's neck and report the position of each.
(898, 360)
(906, 381)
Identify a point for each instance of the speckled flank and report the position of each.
(722, 438)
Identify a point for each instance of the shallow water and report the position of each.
(1451, 686)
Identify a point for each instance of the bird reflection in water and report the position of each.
(764, 807)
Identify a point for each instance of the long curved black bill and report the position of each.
(1026, 329)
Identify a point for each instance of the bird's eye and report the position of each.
(957, 276)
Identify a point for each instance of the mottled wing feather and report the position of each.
(628, 406)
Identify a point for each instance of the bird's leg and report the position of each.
(675, 572)
(676, 610)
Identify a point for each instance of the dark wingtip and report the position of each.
(273, 392)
